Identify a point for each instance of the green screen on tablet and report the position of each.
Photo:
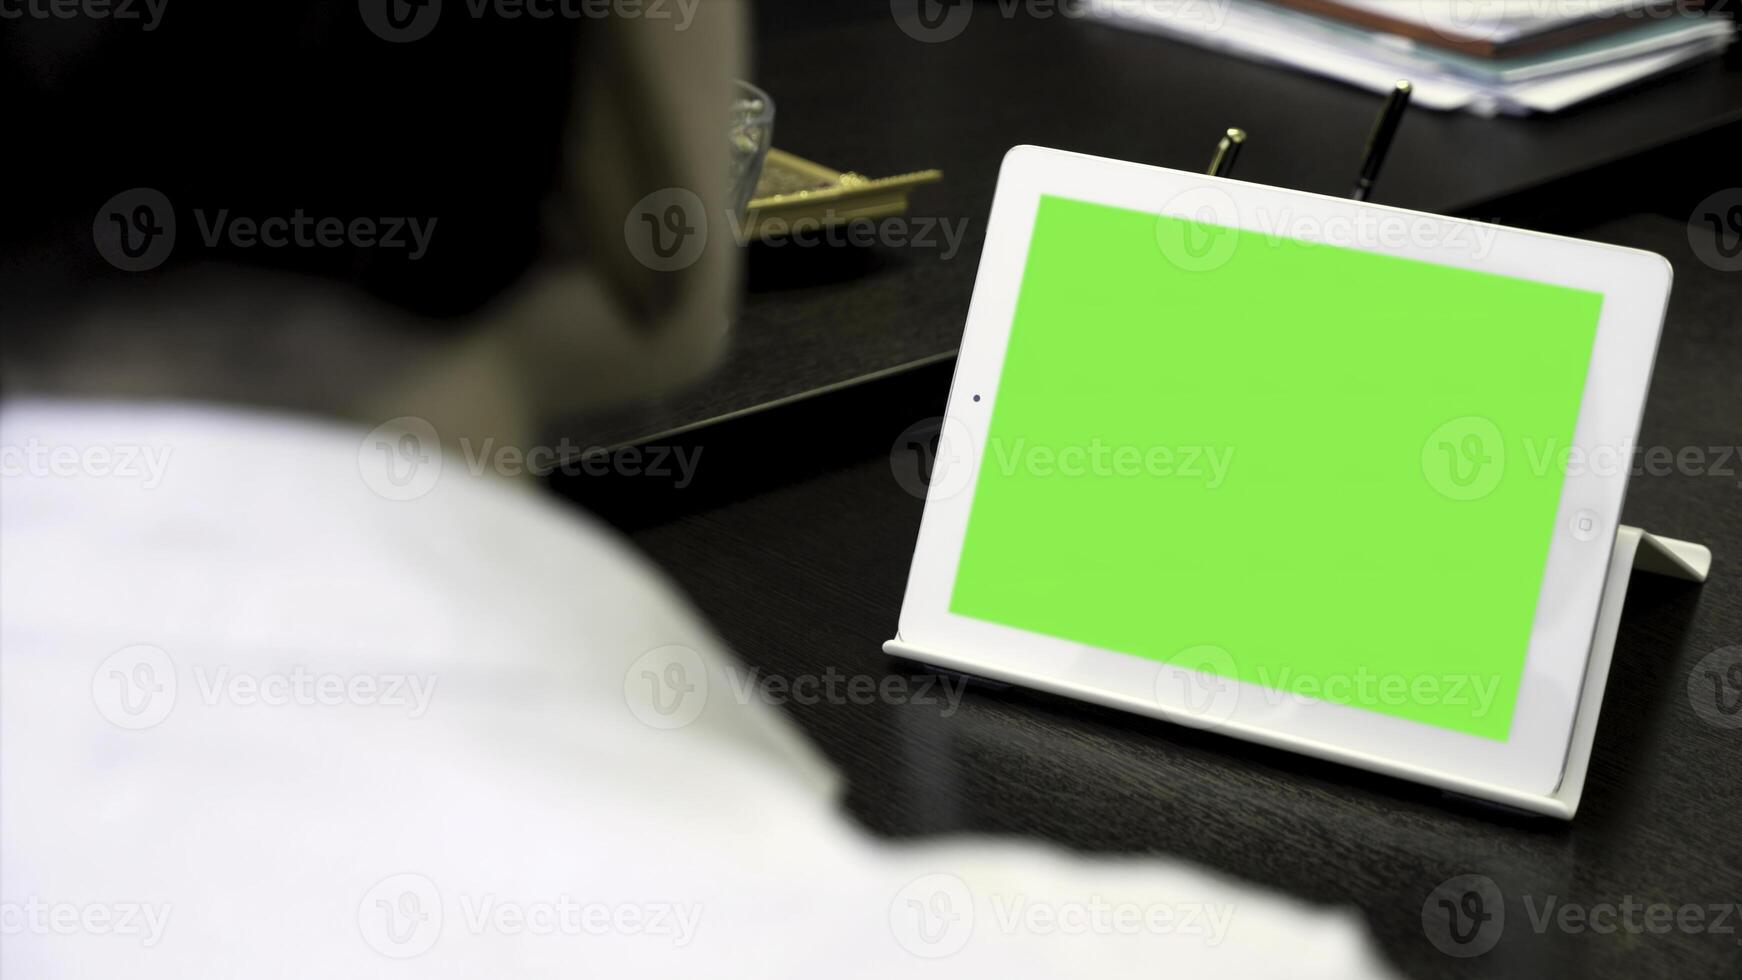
(1339, 467)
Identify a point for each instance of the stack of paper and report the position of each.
(1498, 56)
(1495, 28)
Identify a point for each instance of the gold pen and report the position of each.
(1227, 152)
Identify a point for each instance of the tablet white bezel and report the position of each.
(1635, 286)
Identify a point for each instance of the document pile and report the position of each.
(1484, 56)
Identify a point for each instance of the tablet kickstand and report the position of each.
(1635, 550)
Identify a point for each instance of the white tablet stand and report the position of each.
(1634, 550)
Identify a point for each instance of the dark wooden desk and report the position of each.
(855, 92)
(795, 540)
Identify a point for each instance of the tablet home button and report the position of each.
(1586, 525)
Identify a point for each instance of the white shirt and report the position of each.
(260, 720)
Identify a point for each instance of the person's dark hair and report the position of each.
(264, 108)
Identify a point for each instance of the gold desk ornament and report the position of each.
(793, 189)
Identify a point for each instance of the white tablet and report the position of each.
(1318, 473)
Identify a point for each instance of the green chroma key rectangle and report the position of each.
(1334, 470)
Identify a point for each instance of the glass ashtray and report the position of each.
(751, 134)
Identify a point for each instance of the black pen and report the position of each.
(1379, 143)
